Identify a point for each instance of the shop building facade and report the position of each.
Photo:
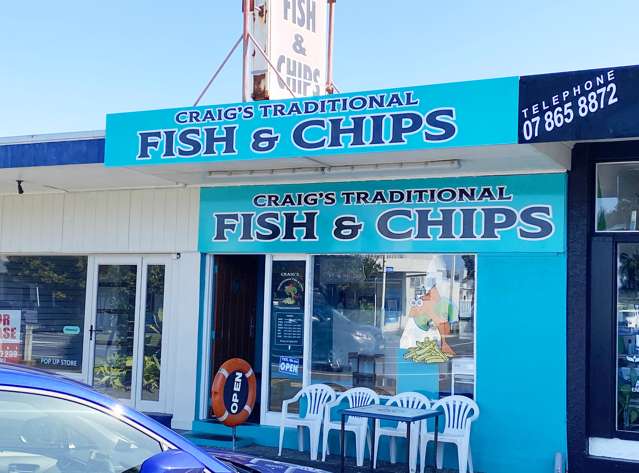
(99, 284)
(356, 309)
(602, 305)
(325, 240)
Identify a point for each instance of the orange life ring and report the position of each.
(232, 394)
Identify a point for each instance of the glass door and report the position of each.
(285, 331)
(151, 336)
(125, 330)
(112, 333)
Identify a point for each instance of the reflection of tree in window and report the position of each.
(50, 293)
(154, 315)
(628, 271)
(617, 197)
(115, 328)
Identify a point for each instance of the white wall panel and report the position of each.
(53, 217)
(182, 356)
(187, 220)
(31, 223)
(124, 221)
(120, 222)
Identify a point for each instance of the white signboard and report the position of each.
(296, 45)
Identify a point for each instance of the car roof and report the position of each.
(22, 376)
(26, 377)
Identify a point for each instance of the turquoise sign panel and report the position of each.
(413, 118)
(464, 214)
(71, 330)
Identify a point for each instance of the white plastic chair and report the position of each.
(459, 414)
(317, 396)
(410, 400)
(357, 397)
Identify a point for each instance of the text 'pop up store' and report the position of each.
(429, 239)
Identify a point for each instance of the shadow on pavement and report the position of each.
(332, 463)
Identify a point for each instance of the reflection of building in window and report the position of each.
(628, 337)
(365, 305)
(617, 196)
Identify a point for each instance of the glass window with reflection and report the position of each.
(42, 311)
(617, 200)
(628, 337)
(394, 323)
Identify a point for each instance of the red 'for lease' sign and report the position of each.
(10, 336)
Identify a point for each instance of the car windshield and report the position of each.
(45, 434)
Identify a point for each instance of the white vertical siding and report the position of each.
(124, 221)
(120, 222)
(182, 359)
(27, 225)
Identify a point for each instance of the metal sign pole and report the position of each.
(246, 10)
(247, 40)
(330, 88)
(259, 49)
(217, 71)
(234, 436)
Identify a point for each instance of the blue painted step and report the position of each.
(164, 419)
(217, 440)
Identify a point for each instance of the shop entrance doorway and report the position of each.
(128, 297)
(235, 307)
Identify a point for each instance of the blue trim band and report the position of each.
(54, 153)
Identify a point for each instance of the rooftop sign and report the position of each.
(294, 37)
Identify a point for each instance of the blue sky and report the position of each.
(65, 64)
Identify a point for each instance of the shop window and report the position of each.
(617, 199)
(628, 337)
(42, 311)
(394, 323)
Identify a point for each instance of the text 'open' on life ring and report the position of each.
(233, 392)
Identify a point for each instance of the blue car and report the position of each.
(49, 424)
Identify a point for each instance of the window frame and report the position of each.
(594, 197)
(601, 402)
(615, 298)
(273, 418)
(308, 346)
(81, 375)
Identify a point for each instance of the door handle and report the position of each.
(92, 331)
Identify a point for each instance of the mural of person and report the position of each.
(428, 320)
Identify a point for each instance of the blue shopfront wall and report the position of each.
(520, 299)
(521, 362)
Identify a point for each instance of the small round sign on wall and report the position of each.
(233, 392)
